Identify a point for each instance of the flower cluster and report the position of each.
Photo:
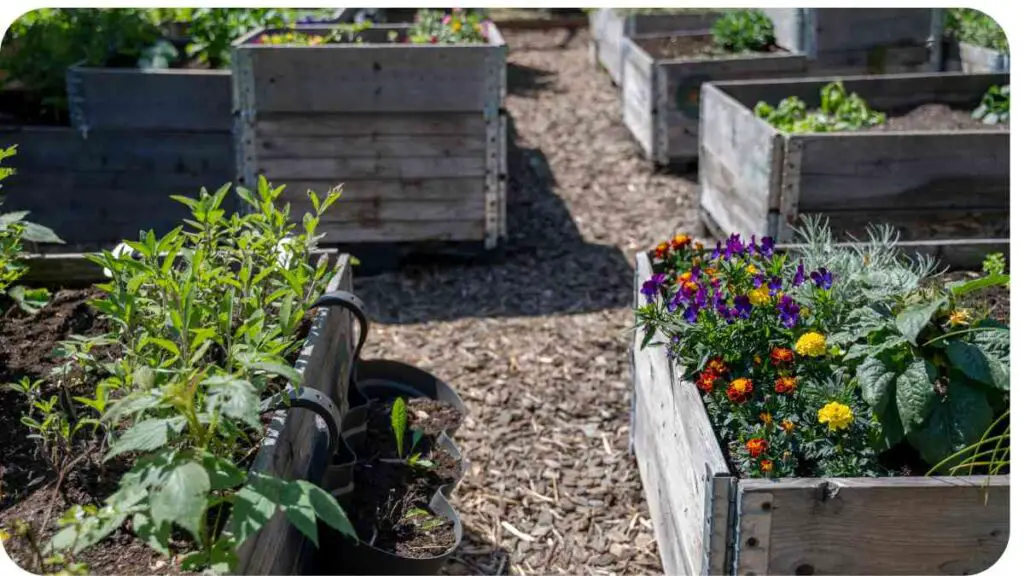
(457, 27)
(750, 327)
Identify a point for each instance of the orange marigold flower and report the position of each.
(661, 250)
(684, 277)
(716, 366)
(706, 381)
(766, 466)
(781, 355)
(740, 390)
(757, 359)
(785, 385)
(788, 426)
(679, 241)
(766, 417)
(698, 246)
(756, 446)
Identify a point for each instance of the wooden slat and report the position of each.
(129, 98)
(298, 450)
(738, 156)
(396, 124)
(404, 231)
(889, 59)
(284, 169)
(638, 94)
(675, 448)
(385, 190)
(964, 57)
(370, 146)
(789, 27)
(904, 525)
(847, 29)
(376, 212)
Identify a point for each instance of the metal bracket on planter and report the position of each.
(353, 304)
(310, 399)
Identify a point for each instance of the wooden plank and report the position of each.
(676, 449)
(608, 29)
(386, 190)
(902, 525)
(284, 169)
(134, 99)
(269, 125)
(375, 212)
(296, 447)
(404, 231)
(964, 57)
(919, 224)
(671, 22)
(638, 95)
(887, 59)
(790, 27)
(370, 146)
(738, 156)
(819, 31)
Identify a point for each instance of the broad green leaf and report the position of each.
(399, 421)
(877, 383)
(957, 422)
(970, 360)
(912, 320)
(12, 217)
(328, 510)
(967, 286)
(182, 498)
(283, 370)
(235, 398)
(31, 300)
(157, 537)
(994, 340)
(223, 473)
(254, 505)
(915, 394)
(146, 436)
(41, 234)
(132, 404)
(298, 507)
(164, 343)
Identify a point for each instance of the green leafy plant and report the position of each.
(839, 111)
(212, 30)
(995, 106)
(744, 31)
(458, 27)
(399, 421)
(976, 27)
(204, 319)
(994, 264)
(989, 455)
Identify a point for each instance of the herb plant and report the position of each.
(399, 421)
(744, 31)
(204, 320)
(976, 27)
(994, 264)
(838, 111)
(995, 106)
(458, 27)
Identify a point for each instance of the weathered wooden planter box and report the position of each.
(96, 189)
(609, 28)
(415, 133)
(930, 185)
(964, 57)
(708, 521)
(862, 40)
(131, 99)
(661, 96)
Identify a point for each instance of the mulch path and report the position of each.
(537, 343)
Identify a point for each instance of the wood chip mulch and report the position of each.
(537, 344)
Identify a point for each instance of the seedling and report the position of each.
(399, 426)
(995, 106)
(839, 111)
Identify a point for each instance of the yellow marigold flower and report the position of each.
(760, 296)
(788, 426)
(766, 418)
(811, 344)
(959, 317)
(805, 312)
(837, 416)
(698, 246)
(751, 269)
(456, 25)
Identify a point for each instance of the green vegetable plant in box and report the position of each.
(827, 360)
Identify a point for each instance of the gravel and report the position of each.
(537, 343)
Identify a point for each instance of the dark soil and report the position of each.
(993, 302)
(430, 416)
(696, 47)
(390, 510)
(934, 117)
(433, 416)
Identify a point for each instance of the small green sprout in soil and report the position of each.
(399, 426)
(995, 106)
(976, 27)
(839, 111)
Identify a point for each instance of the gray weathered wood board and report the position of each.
(661, 97)
(418, 163)
(132, 99)
(708, 522)
(106, 187)
(928, 184)
(609, 27)
(296, 444)
(861, 40)
(964, 57)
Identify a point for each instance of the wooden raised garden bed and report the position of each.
(415, 132)
(661, 91)
(964, 57)
(708, 521)
(609, 28)
(98, 188)
(862, 40)
(930, 183)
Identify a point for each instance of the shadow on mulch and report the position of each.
(545, 268)
(526, 80)
(476, 555)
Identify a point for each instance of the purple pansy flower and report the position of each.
(774, 285)
(717, 252)
(690, 315)
(767, 246)
(752, 247)
(789, 311)
(733, 246)
(822, 278)
(743, 306)
(678, 300)
(651, 286)
(799, 278)
(758, 280)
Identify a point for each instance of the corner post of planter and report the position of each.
(753, 529)
(495, 88)
(936, 44)
(719, 515)
(809, 30)
(77, 101)
(244, 110)
(789, 190)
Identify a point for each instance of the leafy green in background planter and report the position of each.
(839, 111)
(995, 106)
(976, 27)
(744, 31)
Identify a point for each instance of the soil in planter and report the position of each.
(694, 47)
(430, 416)
(390, 510)
(934, 117)
(994, 300)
